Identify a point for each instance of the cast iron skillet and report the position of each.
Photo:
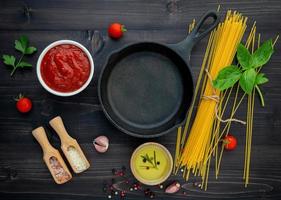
(146, 88)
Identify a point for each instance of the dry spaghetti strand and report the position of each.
(223, 45)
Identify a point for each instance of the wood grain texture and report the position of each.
(23, 174)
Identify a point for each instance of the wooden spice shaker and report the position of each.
(52, 157)
(68, 143)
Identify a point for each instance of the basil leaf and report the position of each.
(244, 57)
(262, 55)
(21, 44)
(247, 80)
(30, 50)
(227, 77)
(261, 79)
(9, 60)
(23, 64)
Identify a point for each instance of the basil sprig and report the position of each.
(247, 74)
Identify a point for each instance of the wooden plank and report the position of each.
(30, 174)
(87, 14)
(49, 105)
(23, 175)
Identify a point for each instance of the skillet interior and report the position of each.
(146, 89)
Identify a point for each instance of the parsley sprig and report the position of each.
(22, 45)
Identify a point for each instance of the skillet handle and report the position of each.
(184, 47)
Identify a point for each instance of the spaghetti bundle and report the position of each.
(223, 42)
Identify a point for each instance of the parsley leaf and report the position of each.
(21, 44)
(9, 60)
(24, 64)
(30, 50)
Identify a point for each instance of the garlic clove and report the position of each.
(101, 144)
(173, 188)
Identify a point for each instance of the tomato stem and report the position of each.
(123, 29)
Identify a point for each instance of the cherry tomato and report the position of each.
(230, 142)
(24, 104)
(116, 30)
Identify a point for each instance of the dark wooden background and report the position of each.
(23, 175)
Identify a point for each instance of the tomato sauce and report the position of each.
(65, 68)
